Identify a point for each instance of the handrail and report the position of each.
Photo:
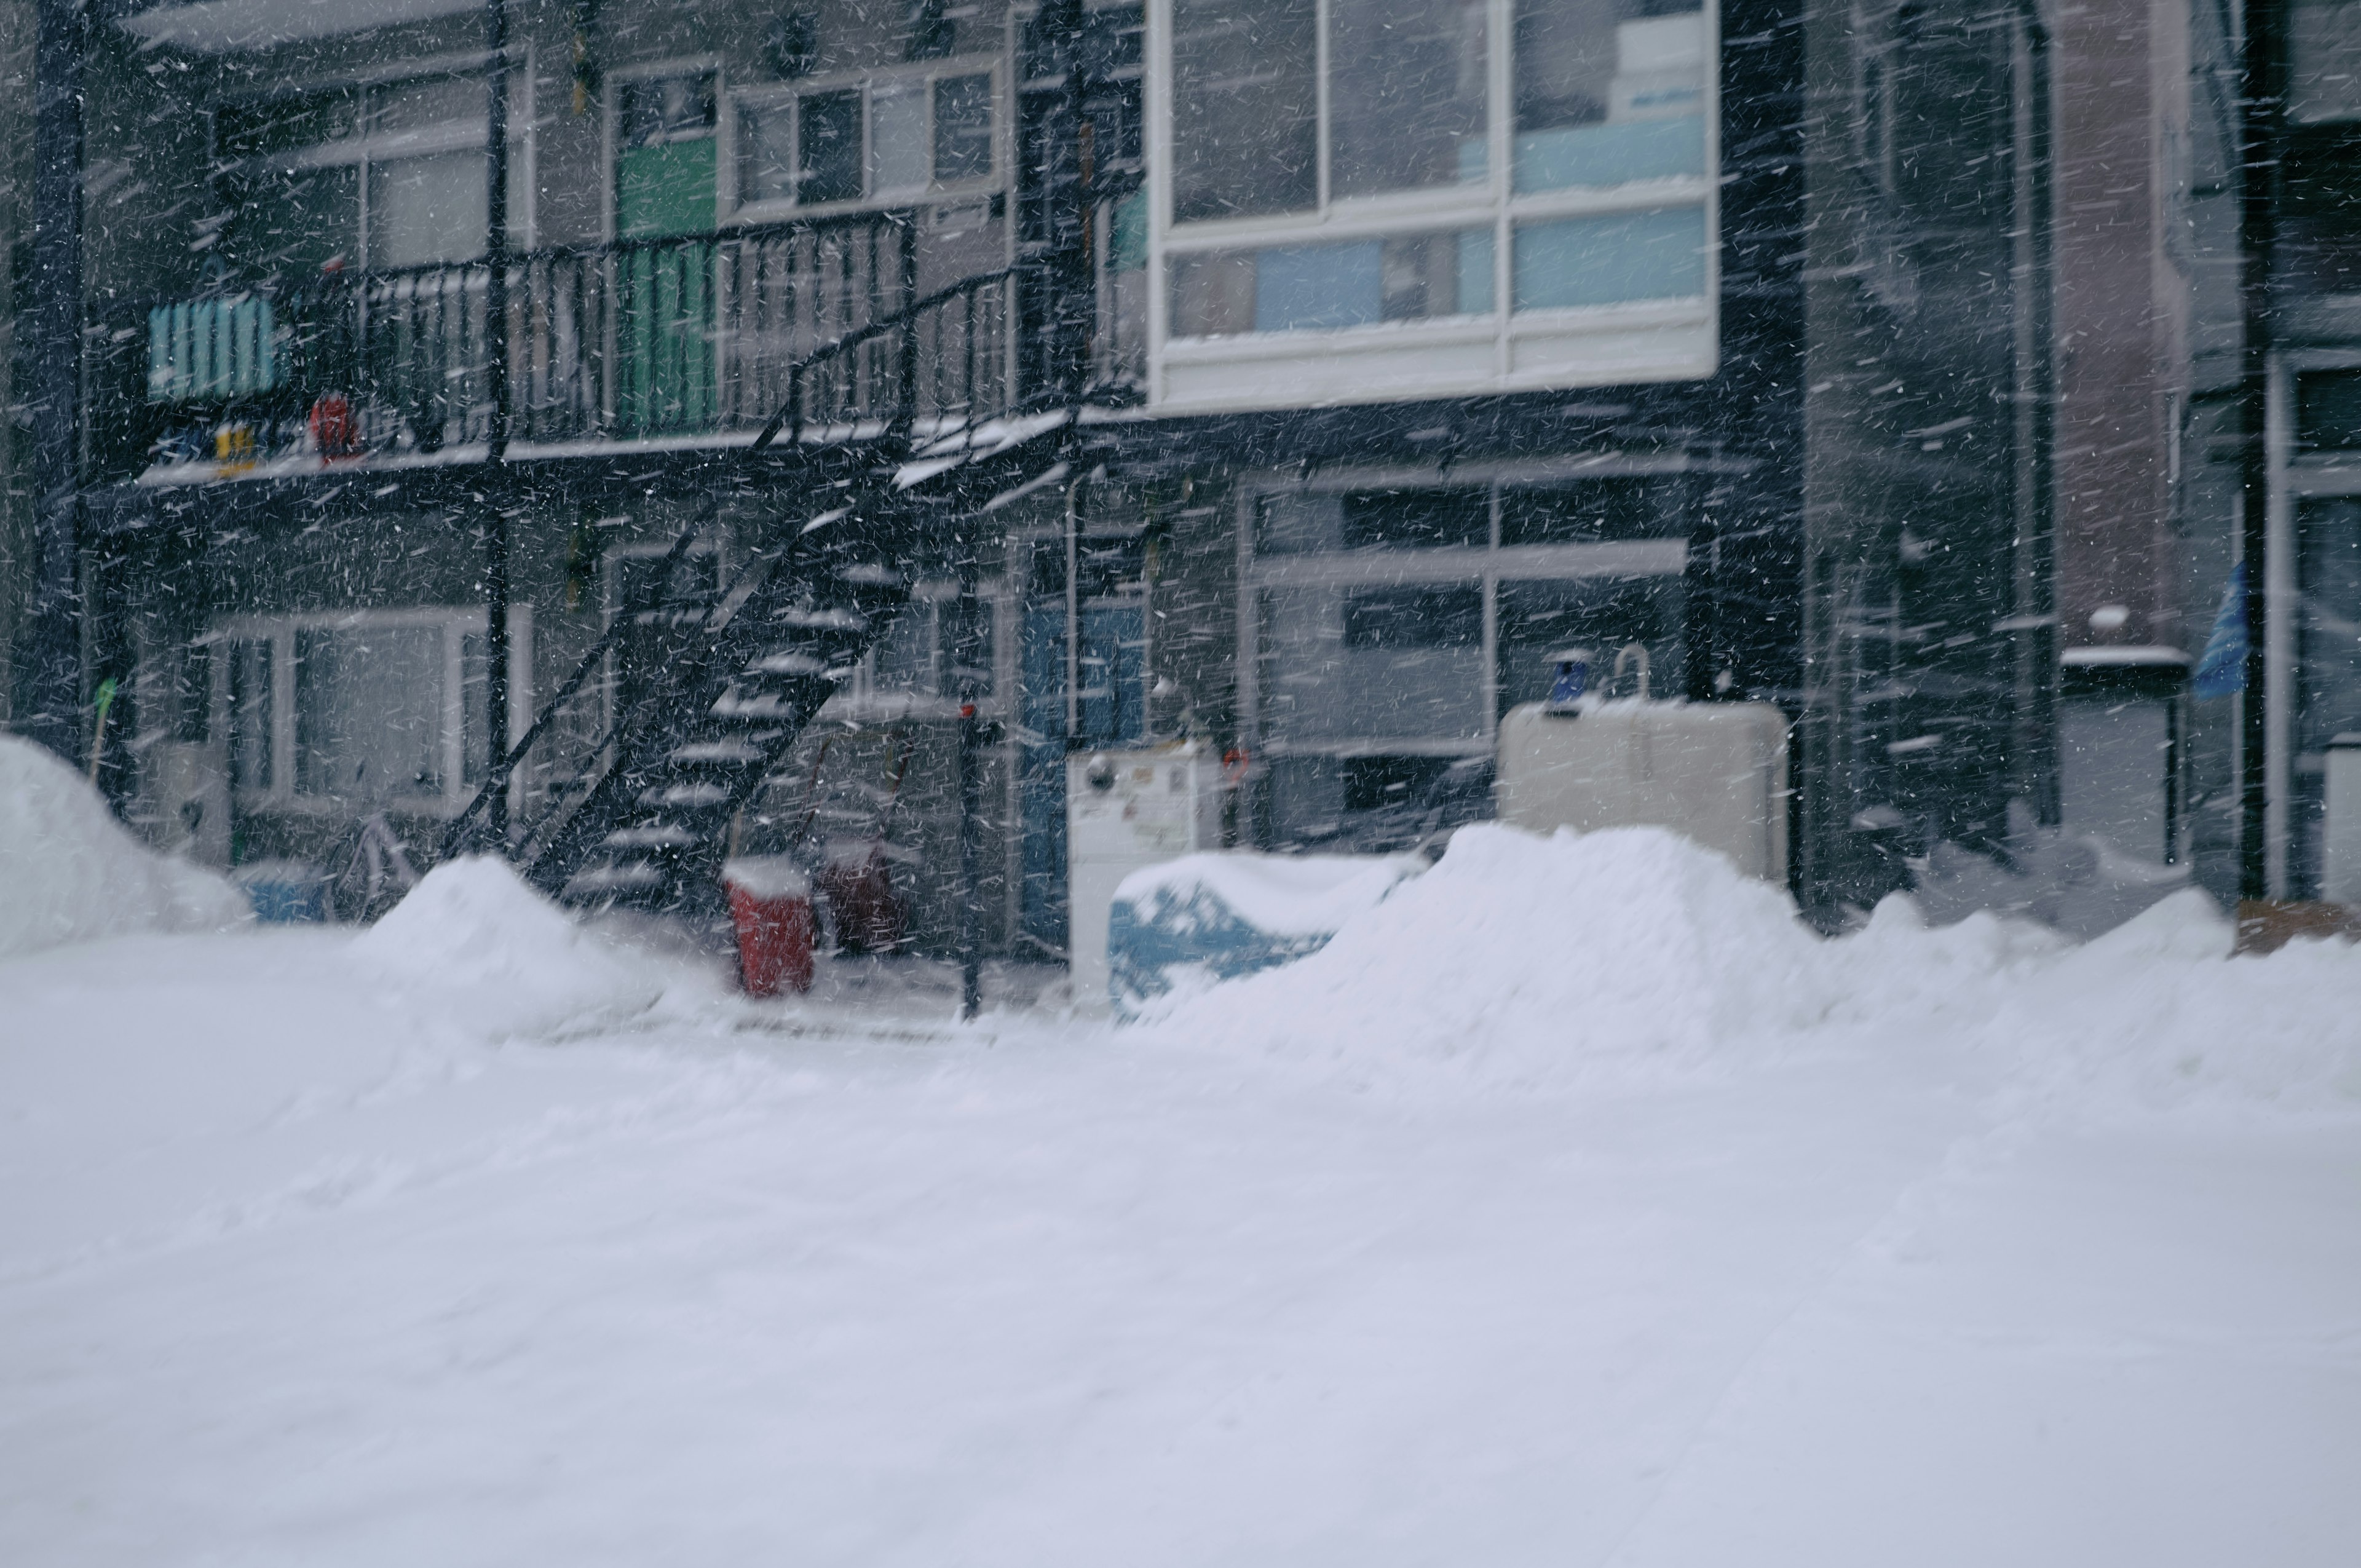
(869, 332)
(460, 833)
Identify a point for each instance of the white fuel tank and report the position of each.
(1714, 772)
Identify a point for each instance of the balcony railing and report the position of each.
(651, 340)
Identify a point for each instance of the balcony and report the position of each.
(677, 341)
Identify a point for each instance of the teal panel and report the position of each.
(1609, 154)
(1303, 287)
(1610, 260)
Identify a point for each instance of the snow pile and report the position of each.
(1523, 960)
(1529, 958)
(514, 962)
(71, 872)
(2158, 1013)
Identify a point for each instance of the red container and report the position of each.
(770, 904)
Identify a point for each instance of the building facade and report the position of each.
(1372, 352)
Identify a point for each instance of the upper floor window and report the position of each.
(826, 142)
(1471, 164)
(381, 175)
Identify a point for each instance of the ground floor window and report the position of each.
(1391, 628)
(362, 711)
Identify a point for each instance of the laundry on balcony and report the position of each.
(213, 349)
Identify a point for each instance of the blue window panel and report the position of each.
(1610, 260)
(1611, 154)
(1476, 272)
(1319, 287)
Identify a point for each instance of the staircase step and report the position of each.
(654, 836)
(737, 753)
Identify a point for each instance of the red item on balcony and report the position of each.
(333, 430)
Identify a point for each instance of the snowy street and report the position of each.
(302, 1265)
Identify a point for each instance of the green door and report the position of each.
(667, 310)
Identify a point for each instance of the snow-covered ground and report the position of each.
(1572, 1207)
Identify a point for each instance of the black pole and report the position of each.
(49, 662)
(971, 847)
(2261, 110)
(496, 387)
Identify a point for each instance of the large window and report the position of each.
(1530, 177)
(885, 138)
(363, 709)
(385, 175)
(1391, 626)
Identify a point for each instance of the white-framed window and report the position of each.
(1391, 617)
(377, 175)
(1357, 200)
(842, 141)
(362, 709)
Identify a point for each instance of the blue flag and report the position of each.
(2222, 669)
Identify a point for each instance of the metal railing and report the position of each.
(660, 338)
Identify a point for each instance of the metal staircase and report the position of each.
(906, 431)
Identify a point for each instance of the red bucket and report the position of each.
(770, 904)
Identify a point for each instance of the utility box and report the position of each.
(1714, 772)
(1127, 810)
(2340, 857)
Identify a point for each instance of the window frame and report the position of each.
(738, 101)
(1485, 566)
(280, 631)
(1563, 347)
(366, 148)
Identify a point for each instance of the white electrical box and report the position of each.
(1714, 772)
(1127, 810)
(2340, 867)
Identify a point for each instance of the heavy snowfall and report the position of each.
(1574, 1204)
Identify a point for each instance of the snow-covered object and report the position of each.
(1717, 772)
(2078, 884)
(1174, 927)
(517, 964)
(1527, 956)
(769, 876)
(71, 872)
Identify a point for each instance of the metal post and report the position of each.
(496, 387)
(49, 662)
(971, 833)
(2261, 111)
(2033, 613)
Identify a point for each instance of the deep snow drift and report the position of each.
(1573, 1206)
(1633, 954)
(70, 872)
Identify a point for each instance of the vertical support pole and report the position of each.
(971, 850)
(2033, 761)
(49, 663)
(2261, 109)
(496, 387)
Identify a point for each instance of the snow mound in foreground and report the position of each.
(1524, 960)
(1528, 957)
(516, 963)
(71, 872)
